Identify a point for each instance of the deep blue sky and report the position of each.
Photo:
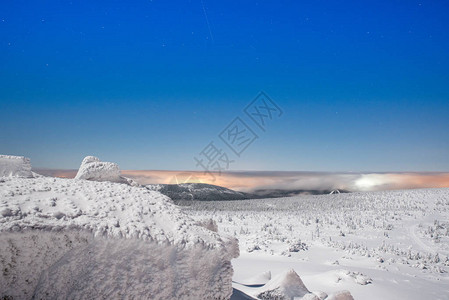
(364, 85)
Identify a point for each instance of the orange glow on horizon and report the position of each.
(248, 181)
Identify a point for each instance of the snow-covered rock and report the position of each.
(95, 170)
(284, 286)
(321, 295)
(341, 295)
(66, 238)
(16, 166)
(310, 296)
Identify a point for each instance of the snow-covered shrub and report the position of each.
(252, 248)
(298, 246)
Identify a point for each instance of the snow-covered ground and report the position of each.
(376, 245)
(80, 239)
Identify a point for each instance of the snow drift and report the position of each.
(65, 238)
(16, 166)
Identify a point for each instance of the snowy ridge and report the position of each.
(103, 208)
(67, 238)
(377, 245)
(185, 192)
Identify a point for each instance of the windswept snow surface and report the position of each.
(373, 245)
(78, 239)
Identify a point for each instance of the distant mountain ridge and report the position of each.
(279, 193)
(199, 191)
(209, 192)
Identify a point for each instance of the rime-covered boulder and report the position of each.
(285, 286)
(95, 170)
(310, 296)
(289, 286)
(79, 239)
(15, 166)
(341, 295)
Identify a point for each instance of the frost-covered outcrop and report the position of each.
(285, 286)
(15, 166)
(289, 286)
(342, 295)
(95, 170)
(66, 239)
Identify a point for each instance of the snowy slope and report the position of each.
(376, 245)
(67, 238)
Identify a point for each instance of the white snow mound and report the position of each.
(79, 239)
(259, 279)
(15, 166)
(95, 170)
(287, 285)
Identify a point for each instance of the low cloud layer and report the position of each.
(254, 180)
